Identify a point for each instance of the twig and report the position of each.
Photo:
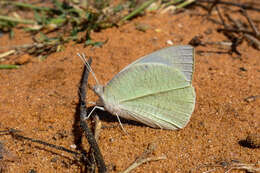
(251, 23)
(10, 52)
(255, 42)
(235, 30)
(196, 41)
(231, 4)
(221, 17)
(221, 43)
(232, 165)
(143, 158)
(142, 161)
(83, 112)
(235, 41)
(212, 6)
(243, 166)
(98, 127)
(5, 155)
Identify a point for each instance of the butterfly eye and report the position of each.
(99, 89)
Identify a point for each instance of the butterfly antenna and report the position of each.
(83, 58)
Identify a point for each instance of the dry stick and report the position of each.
(5, 54)
(221, 43)
(98, 127)
(97, 130)
(233, 166)
(212, 6)
(235, 41)
(143, 158)
(5, 155)
(243, 166)
(236, 30)
(257, 34)
(221, 17)
(231, 4)
(83, 113)
(255, 42)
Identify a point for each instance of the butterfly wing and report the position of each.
(155, 94)
(178, 57)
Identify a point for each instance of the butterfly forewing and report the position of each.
(155, 93)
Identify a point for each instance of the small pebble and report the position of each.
(253, 140)
(169, 42)
(24, 59)
(73, 146)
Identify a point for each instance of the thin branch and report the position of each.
(244, 6)
(212, 6)
(254, 41)
(251, 23)
(235, 40)
(221, 17)
(144, 158)
(142, 161)
(235, 30)
(83, 112)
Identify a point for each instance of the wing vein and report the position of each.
(153, 93)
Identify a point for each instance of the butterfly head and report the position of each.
(99, 90)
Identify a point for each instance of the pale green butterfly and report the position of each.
(155, 90)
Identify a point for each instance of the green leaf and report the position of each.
(92, 43)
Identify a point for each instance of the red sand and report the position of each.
(40, 99)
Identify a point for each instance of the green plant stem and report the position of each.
(136, 11)
(11, 19)
(8, 66)
(172, 2)
(25, 5)
(185, 3)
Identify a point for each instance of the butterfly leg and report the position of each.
(121, 125)
(95, 107)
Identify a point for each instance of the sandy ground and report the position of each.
(40, 99)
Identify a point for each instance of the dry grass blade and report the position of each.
(138, 162)
(228, 166)
(5, 155)
(144, 158)
(250, 21)
(243, 166)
